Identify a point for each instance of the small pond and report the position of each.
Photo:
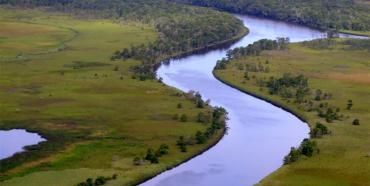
(13, 141)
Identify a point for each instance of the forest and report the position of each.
(322, 14)
(181, 28)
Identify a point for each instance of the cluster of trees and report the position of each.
(351, 44)
(289, 86)
(330, 114)
(218, 119)
(253, 49)
(100, 180)
(199, 103)
(307, 148)
(181, 28)
(322, 14)
(358, 44)
(152, 155)
(319, 130)
(320, 95)
(320, 43)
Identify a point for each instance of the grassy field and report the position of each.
(344, 157)
(56, 79)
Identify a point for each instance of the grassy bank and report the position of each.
(58, 81)
(357, 33)
(341, 70)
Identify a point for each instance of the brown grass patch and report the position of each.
(23, 29)
(363, 78)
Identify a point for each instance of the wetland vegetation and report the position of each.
(57, 79)
(344, 15)
(325, 82)
(81, 74)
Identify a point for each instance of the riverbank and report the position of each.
(76, 92)
(356, 33)
(219, 135)
(335, 74)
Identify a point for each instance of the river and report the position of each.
(259, 134)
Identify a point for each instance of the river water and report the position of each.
(259, 134)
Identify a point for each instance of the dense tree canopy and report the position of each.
(324, 14)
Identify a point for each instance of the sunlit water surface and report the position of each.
(259, 134)
(13, 141)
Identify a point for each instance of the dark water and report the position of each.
(259, 134)
(13, 141)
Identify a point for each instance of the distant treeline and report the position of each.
(322, 14)
(253, 49)
(181, 28)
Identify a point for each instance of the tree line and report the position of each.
(181, 28)
(322, 14)
(253, 49)
(214, 119)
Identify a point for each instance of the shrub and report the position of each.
(349, 105)
(150, 156)
(202, 118)
(162, 150)
(308, 147)
(179, 105)
(101, 180)
(183, 118)
(293, 156)
(182, 144)
(200, 137)
(356, 122)
(319, 130)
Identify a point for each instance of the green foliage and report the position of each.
(151, 156)
(203, 118)
(179, 105)
(319, 130)
(356, 122)
(198, 101)
(293, 156)
(349, 105)
(181, 143)
(100, 180)
(358, 44)
(320, 44)
(350, 67)
(200, 137)
(162, 150)
(289, 86)
(184, 118)
(330, 115)
(181, 28)
(253, 49)
(307, 148)
(322, 14)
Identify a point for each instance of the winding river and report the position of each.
(259, 134)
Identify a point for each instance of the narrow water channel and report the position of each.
(259, 134)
